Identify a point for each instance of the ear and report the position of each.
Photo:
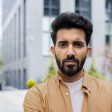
(53, 51)
(89, 51)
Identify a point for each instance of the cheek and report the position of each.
(60, 55)
(81, 54)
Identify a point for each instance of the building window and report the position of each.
(24, 78)
(15, 37)
(51, 7)
(46, 39)
(15, 78)
(24, 25)
(83, 7)
(19, 32)
(45, 44)
(19, 78)
(109, 6)
(108, 27)
(107, 40)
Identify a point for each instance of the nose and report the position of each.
(70, 51)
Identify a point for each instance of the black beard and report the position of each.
(70, 70)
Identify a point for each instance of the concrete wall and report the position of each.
(98, 37)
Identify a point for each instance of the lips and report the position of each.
(69, 62)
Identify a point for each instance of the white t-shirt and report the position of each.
(76, 94)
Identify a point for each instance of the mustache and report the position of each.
(70, 59)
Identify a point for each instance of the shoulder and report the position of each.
(41, 89)
(33, 100)
(36, 91)
(100, 84)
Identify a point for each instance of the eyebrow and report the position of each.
(62, 41)
(75, 41)
(80, 41)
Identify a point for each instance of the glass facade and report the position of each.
(24, 28)
(83, 7)
(107, 40)
(19, 32)
(7, 6)
(51, 7)
(108, 22)
(14, 46)
(109, 6)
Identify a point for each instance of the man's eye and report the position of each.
(79, 45)
(62, 45)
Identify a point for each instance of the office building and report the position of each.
(26, 38)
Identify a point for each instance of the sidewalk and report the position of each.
(11, 100)
(8, 88)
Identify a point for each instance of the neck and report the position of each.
(73, 78)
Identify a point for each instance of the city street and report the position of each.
(12, 101)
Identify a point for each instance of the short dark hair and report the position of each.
(71, 20)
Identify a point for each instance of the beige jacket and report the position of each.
(53, 96)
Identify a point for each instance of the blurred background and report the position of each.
(25, 42)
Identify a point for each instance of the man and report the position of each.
(72, 89)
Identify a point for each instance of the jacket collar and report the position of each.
(85, 85)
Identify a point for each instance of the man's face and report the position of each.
(70, 50)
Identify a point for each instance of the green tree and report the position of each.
(51, 70)
(94, 72)
(1, 64)
(1, 60)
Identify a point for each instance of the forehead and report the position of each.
(71, 34)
